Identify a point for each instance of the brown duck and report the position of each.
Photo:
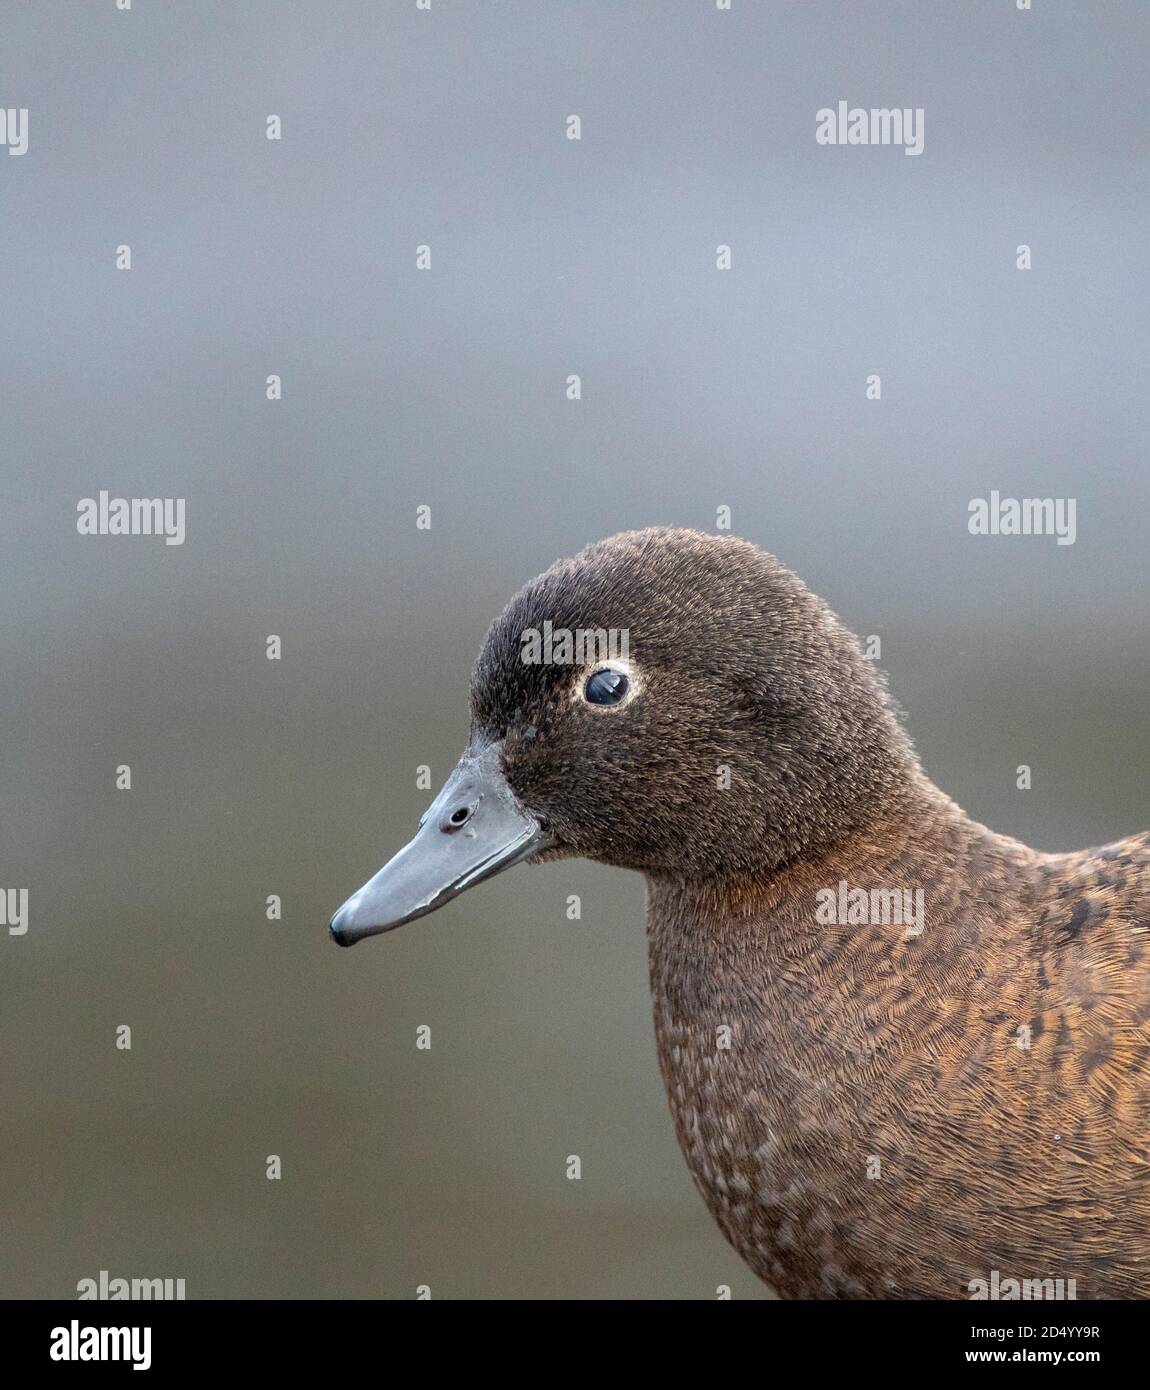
(906, 1057)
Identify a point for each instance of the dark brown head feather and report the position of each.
(742, 667)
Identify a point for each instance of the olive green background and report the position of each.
(447, 388)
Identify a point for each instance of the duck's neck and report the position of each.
(790, 1038)
(836, 951)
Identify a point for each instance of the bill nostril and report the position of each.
(459, 817)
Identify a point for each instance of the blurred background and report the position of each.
(447, 388)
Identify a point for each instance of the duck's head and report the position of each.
(731, 725)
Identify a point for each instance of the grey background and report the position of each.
(701, 389)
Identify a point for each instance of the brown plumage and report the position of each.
(867, 1112)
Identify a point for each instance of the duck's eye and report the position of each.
(606, 687)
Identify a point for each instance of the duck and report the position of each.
(906, 1057)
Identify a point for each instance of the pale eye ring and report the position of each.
(607, 687)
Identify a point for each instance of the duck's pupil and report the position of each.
(606, 687)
